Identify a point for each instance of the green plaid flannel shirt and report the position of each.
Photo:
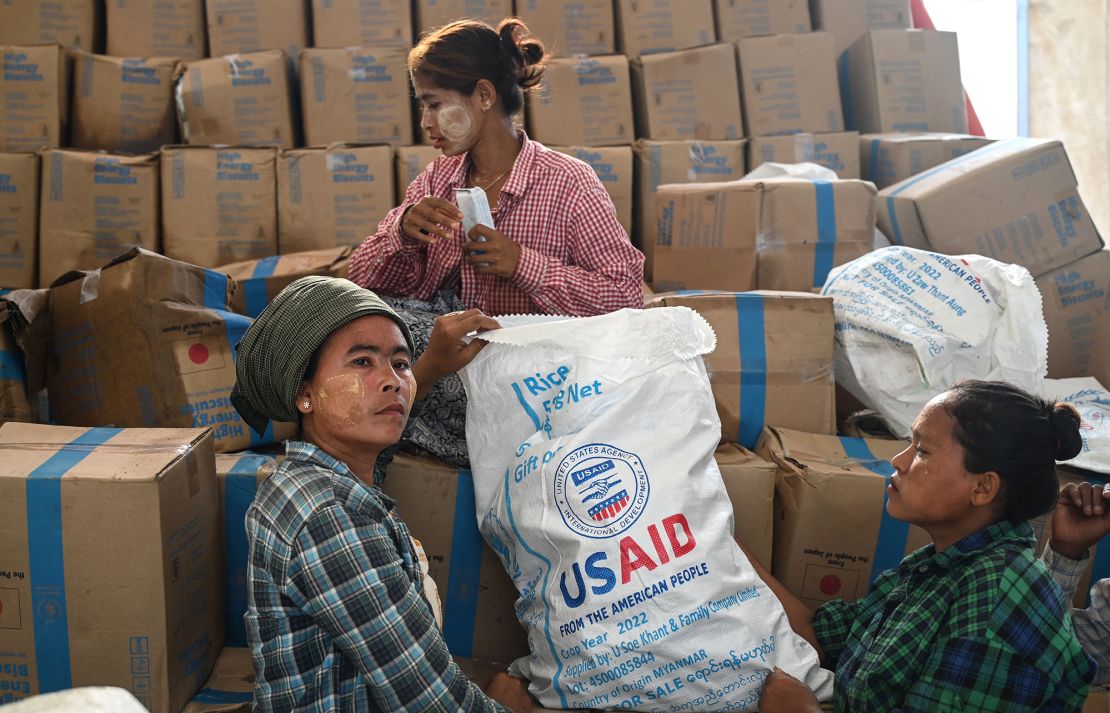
(978, 627)
(336, 617)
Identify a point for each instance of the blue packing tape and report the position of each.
(753, 368)
(216, 697)
(463, 576)
(47, 558)
(11, 366)
(240, 486)
(254, 288)
(890, 548)
(825, 249)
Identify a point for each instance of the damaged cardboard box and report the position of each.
(750, 483)
(789, 84)
(137, 606)
(366, 23)
(259, 281)
(410, 162)
(123, 103)
(737, 19)
(19, 215)
(774, 360)
(886, 159)
(1015, 201)
(147, 341)
(613, 166)
(238, 26)
(332, 197)
(662, 162)
(95, 206)
(479, 598)
(238, 476)
(583, 101)
(1076, 299)
(837, 152)
(688, 95)
(219, 205)
(570, 27)
(15, 402)
(73, 24)
(647, 26)
(905, 80)
(238, 100)
(833, 535)
(357, 95)
(38, 77)
(230, 688)
(26, 329)
(168, 28)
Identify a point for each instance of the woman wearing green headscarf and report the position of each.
(337, 615)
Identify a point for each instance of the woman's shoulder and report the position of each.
(553, 162)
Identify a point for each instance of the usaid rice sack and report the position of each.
(592, 443)
(911, 323)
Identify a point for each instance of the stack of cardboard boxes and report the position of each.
(268, 138)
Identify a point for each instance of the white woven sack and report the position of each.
(591, 443)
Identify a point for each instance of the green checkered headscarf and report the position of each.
(276, 348)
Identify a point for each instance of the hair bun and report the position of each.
(527, 51)
(1065, 423)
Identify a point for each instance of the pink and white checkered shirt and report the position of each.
(575, 258)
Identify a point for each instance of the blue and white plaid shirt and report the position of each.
(1092, 625)
(337, 620)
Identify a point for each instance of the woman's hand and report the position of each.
(446, 352)
(1081, 518)
(430, 219)
(782, 693)
(510, 692)
(496, 255)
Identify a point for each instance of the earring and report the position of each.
(485, 107)
(307, 404)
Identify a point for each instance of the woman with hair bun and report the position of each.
(556, 246)
(972, 622)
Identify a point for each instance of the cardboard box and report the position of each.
(1098, 700)
(750, 483)
(436, 501)
(410, 163)
(19, 215)
(168, 28)
(219, 205)
(583, 101)
(239, 100)
(837, 151)
(238, 476)
(258, 281)
(660, 162)
(230, 688)
(806, 228)
(239, 26)
(38, 77)
(849, 20)
(737, 19)
(613, 166)
(1015, 201)
(430, 14)
(706, 237)
(362, 23)
(886, 159)
(905, 80)
(95, 206)
(689, 95)
(356, 95)
(69, 23)
(646, 26)
(1076, 301)
(123, 104)
(332, 197)
(149, 342)
(27, 319)
(833, 535)
(774, 360)
(789, 84)
(137, 607)
(570, 27)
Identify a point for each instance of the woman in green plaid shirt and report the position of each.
(972, 622)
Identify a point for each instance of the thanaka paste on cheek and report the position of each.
(341, 399)
(454, 121)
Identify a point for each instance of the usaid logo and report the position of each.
(600, 490)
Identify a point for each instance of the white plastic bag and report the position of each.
(1092, 400)
(910, 323)
(591, 443)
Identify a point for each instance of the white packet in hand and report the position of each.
(475, 209)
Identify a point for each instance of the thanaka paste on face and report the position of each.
(342, 399)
